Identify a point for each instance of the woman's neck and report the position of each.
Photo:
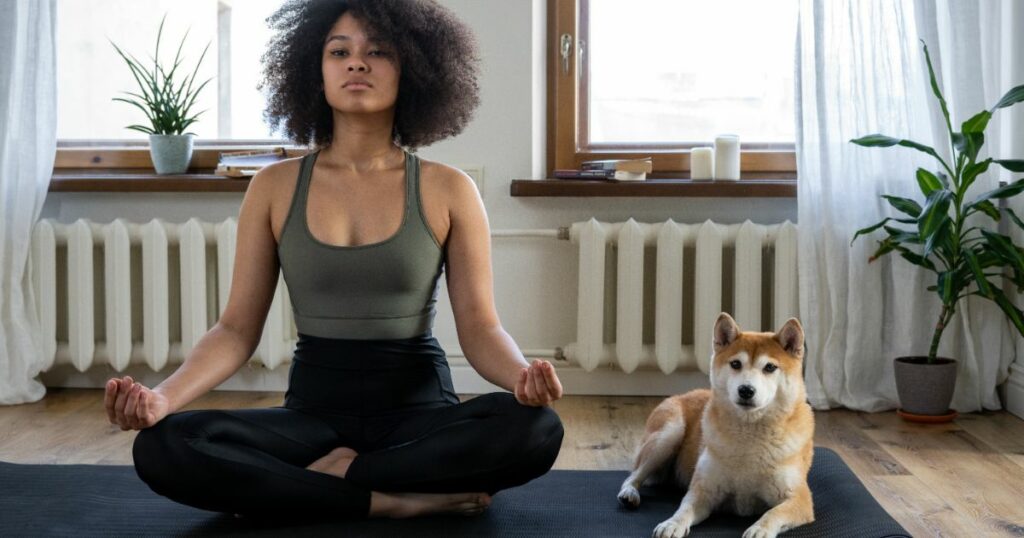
(362, 143)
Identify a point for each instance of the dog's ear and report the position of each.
(726, 332)
(791, 338)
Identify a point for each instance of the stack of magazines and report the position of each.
(610, 169)
(247, 163)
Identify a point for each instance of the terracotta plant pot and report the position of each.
(923, 388)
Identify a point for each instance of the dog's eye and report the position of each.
(736, 365)
(769, 368)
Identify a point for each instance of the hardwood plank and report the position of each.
(918, 508)
(1000, 430)
(838, 430)
(601, 432)
(976, 480)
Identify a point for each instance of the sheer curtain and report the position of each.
(28, 144)
(861, 70)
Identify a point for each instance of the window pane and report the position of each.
(683, 71)
(91, 73)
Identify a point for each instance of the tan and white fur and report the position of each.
(745, 445)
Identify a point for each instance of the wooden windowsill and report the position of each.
(143, 180)
(744, 188)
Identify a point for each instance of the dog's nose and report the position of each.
(746, 392)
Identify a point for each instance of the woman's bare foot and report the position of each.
(402, 505)
(336, 462)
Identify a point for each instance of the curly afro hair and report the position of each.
(437, 88)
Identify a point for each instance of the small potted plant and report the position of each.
(963, 255)
(166, 104)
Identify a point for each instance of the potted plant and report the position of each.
(963, 255)
(166, 104)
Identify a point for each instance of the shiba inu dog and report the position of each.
(745, 445)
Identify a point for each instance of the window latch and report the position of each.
(566, 50)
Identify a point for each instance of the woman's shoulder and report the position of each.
(277, 178)
(285, 168)
(444, 177)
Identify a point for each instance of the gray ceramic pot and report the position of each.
(925, 389)
(171, 153)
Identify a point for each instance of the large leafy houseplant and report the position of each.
(167, 104)
(963, 255)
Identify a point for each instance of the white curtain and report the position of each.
(28, 145)
(861, 70)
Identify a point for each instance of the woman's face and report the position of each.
(360, 73)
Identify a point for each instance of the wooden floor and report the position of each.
(964, 479)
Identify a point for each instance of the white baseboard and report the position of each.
(1014, 390)
(576, 381)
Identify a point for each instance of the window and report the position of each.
(91, 73)
(658, 77)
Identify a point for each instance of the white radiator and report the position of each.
(165, 284)
(759, 250)
(152, 310)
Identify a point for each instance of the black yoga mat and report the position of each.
(109, 500)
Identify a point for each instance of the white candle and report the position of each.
(727, 157)
(702, 163)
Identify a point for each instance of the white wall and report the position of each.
(535, 278)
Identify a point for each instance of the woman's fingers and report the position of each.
(109, 397)
(144, 408)
(554, 385)
(131, 411)
(531, 386)
(119, 402)
(520, 388)
(539, 384)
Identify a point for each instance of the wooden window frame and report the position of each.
(567, 118)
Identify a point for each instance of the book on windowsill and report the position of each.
(601, 175)
(247, 163)
(636, 166)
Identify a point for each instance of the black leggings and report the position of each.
(392, 401)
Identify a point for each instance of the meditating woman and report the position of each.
(362, 230)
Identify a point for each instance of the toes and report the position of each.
(629, 497)
(671, 529)
(758, 532)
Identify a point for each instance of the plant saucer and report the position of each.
(948, 416)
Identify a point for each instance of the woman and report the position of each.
(371, 425)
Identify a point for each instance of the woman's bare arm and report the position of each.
(490, 350)
(229, 344)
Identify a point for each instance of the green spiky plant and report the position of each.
(165, 102)
(962, 257)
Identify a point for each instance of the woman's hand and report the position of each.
(133, 406)
(538, 385)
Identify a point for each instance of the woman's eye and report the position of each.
(736, 365)
(372, 52)
(769, 368)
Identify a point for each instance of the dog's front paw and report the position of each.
(672, 528)
(758, 531)
(629, 497)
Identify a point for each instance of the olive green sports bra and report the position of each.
(384, 290)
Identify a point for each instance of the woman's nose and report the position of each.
(357, 65)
